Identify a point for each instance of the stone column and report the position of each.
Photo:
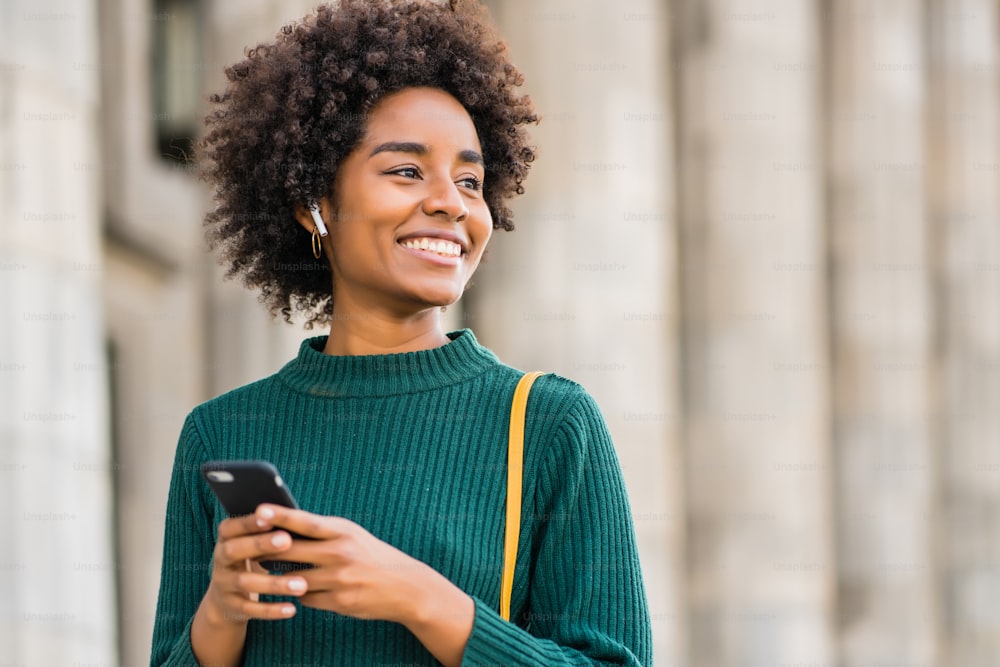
(56, 570)
(155, 314)
(244, 343)
(883, 318)
(586, 285)
(964, 167)
(754, 345)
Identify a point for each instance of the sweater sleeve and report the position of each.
(587, 602)
(188, 543)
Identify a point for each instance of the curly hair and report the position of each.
(295, 108)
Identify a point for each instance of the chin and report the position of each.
(442, 302)
(436, 298)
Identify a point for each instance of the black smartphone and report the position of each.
(243, 485)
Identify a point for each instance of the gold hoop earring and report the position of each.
(316, 244)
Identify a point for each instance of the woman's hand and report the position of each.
(354, 573)
(357, 574)
(237, 578)
(219, 628)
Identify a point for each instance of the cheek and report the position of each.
(350, 246)
(482, 230)
(487, 236)
(478, 250)
(481, 239)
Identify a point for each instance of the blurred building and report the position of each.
(763, 234)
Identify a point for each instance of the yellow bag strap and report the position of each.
(515, 458)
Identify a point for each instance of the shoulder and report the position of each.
(239, 396)
(560, 413)
(242, 404)
(572, 447)
(554, 397)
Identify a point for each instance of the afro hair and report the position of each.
(296, 107)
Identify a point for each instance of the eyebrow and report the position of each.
(469, 156)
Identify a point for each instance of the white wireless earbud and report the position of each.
(317, 218)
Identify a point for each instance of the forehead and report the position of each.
(428, 115)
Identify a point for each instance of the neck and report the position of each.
(357, 331)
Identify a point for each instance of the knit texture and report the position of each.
(413, 448)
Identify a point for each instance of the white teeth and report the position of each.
(437, 246)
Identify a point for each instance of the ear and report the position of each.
(304, 216)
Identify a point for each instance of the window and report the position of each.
(176, 76)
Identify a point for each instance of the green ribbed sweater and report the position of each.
(413, 448)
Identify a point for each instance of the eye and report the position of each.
(405, 172)
(472, 183)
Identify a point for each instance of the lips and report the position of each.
(437, 246)
(439, 241)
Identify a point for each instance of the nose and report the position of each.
(443, 198)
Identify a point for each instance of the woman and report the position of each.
(402, 124)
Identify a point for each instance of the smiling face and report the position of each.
(408, 223)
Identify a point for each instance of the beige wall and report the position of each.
(586, 286)
(182, 334)
(56, 565)
(765, 236)
(756, 429)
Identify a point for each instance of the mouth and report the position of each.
(433, 246)
(436, 246)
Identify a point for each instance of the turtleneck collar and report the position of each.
(319, 374)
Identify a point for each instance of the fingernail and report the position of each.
(280, 540)
(297, 585)
(266, 513)
(288, 611)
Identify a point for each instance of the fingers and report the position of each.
(233, 551)
(238, 595)
(240, 609)
(242, 525)
(305, 523)
(251, 583)
(268, 611)
(238, 580)
(250, 568)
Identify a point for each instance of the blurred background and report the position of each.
(763, 234)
